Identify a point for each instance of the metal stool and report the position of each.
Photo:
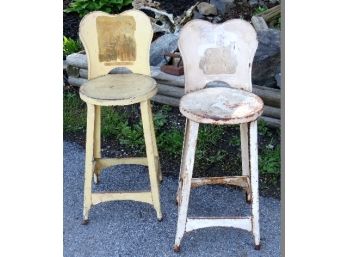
(224, 53)
(113, 41)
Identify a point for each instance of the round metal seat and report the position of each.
(221, 106)
(118, 89)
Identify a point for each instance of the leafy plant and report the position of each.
(71, 46)
(171, 142)
(260, 9)
(82, 7)
(269, 161)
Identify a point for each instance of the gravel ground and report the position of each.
(126, 228)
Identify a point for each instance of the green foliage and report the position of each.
(259, 10)
(71, 46)
(74, 113)
(269, 161)
(171, 142)
(82, 7)
(213, 147)
(262, 128)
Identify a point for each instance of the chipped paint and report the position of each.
(220, 60)
(116, 39)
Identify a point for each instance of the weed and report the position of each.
(71, 46)
(269, 161)
(260, 9)
(82, 7)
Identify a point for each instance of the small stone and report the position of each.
(253, 3)
(72, 71)
(197, 15)
(206, 9)
(278, 78)
(223, 6)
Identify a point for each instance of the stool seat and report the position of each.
(118, 89)
(221, 106)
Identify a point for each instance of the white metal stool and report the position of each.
(224, 53)
(113, 41)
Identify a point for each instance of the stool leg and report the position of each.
(87, 200)
(178, 192)
(153, 134)
(254, 177)
(97, 141)
(191, 135)
(150, 153)
(244, 141)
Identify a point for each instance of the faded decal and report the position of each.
(116, 39)
(220, 60)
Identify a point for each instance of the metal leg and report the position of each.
(89, 162)
(150, 153)
(153, 134)
(178, 192)
(191, 135)
(244, 140)
(97, 141)
(254, 177)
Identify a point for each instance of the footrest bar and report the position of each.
(145, 197)
(103, 163)
(205, 222)
(241, 181)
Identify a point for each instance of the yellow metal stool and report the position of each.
(222, 52)
(113, 41)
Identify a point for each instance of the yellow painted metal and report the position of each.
(89, 162)
(97, 142)
(108, 162)
(142, 35)
(150, 141)
(132, 30)
(145, 197)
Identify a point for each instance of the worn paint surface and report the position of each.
(219, 53)
(221, 106)
(220, 60)
(113, 40)
(116, 39)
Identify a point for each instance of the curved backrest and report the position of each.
(113, 41)
(222, 52)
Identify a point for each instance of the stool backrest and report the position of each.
(113, 41)
(218, 52)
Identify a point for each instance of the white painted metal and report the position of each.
(182, 162)
(244, 142)
(254, 177)
(205, 222)
(223, 52)
(188, 159)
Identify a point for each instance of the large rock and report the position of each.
(163, 44)
(77, 60)
(223, 6)
(206, 9)
(267, 58)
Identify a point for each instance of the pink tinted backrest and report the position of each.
(218, 52)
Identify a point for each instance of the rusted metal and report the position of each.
(221, 105)
(174, 64)
(241, 181)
